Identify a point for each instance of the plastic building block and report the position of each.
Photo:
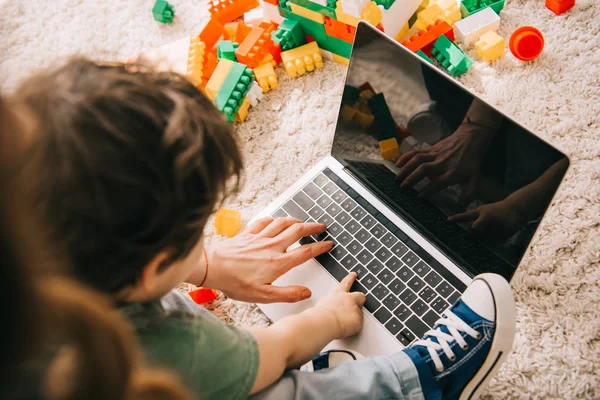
(163, 12)
(203, 295)
(344, 17)
(471, 28)
(302, 59)
(195, 61)
(273, 2)
(383, 116)
(426, 37)
(255, 94)
(237, 31)
(452, 58)
(288, 35)
(254, 16)
(447, 10)
(389, 149)
(469, 7)
(385, 3)
(350, 95)
(372, 14)
(266, 77)
(229, 10)
(211, 33)
(272, 12)
(341, 60)
(400, 36)
(218, 77)
(242, 113)
(490, 46)
(227, 222)
(526, 43)
(559, 6)
(338, 46)
(325, 7)
(255, 47)
(306, 13)
(226, 49)
(397, 16)
(339, 30)
(353, 7)
(310, 28)
(424, 56)
(234, 90)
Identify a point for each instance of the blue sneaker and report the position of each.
(469, 343)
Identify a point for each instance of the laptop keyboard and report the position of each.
(406, 289)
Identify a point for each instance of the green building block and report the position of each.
(285, 4)
(383, 116)
(469, 7)
(452, 58)
(234, 89)
(350, 95)
(336, 46)
(424, 56)
(288, 35)
(328, 10)
(385, 3)
(163, 12)
(311, 28)
(226, 49)
(412, 20)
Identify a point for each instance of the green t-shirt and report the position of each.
(217, 360)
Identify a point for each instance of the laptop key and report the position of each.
(325, 219)
(393, 263)
(393, 326)
(348, 262)
(444, 289)
(338, 253)
(383, 315)
(380, 291)
(430, 317)
(364, 257)
(433, 279)
(416, 284)
(344, 238)
(402, 312)
(373, 245)
(385, 276)
(352, 193)
(375, 266)
(352, 227)
(389, 240)
(418, 307)
(397, 286)
(369, 281)
(439, 305)
(399, 249)
(295, 211)
(320, 180)
(343, 218)
(416, 326)
(316, 212)
(405, 273)
(303, 200)
(357, 287)
(333, 209)
(372, 304)
(427, 294)
(324, 201)
(391, 302)
(408, 334)
(354, 247)
(407, 297)
(360, 270)
(403, 338)
(410, 259)
(335, 229)
(421, 268)
(306, 240)
(368, 222)
(330, 188)
(339, 196)
(312, 190)
(362, 236)
(279, 214)
(383, 254)
(348, 204)
(378, 231)
(358, 213)
(454, 296)
(331, 265)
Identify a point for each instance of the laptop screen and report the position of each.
(470, 179)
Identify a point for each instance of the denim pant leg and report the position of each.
(382, 377)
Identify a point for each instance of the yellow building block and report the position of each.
(400, 36)
(389, 149)
(218, 77)
(301, 59)
(490, 46)
(266, 77)
(227, 222)
(347, 113)
(195, 62)
(268, 60)
(242, 113)
(372, 14)
(448, 10)
(341, 60)
(306, 13)
(363, 120)
(343, 17)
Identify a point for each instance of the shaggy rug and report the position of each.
(557, 288)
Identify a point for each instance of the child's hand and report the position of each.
(496, 221)
(345, 307)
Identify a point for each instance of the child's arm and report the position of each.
(294, 340)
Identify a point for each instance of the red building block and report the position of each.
(339, 30)
(425, 39)
(211, 33)
(203, 295)
(559, 6)
(274, 2)
(226, 11)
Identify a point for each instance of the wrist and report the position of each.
(327, 320)
(208, 268)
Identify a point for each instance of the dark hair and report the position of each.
(134, 162)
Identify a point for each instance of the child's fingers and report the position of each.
(347, 282)
(277, 226)
(359, 297)
(259, 225)
(467, 216)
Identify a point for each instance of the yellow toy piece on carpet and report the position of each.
(490, 46)
(266, 77)
(228, 222)
(301, 59)
(218, 77)
(242, 113)
(195, 62)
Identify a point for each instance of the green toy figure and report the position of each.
(163, 12)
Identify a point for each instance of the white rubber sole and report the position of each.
(503, 339)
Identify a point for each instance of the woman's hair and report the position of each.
(133, 163)
(94, 352)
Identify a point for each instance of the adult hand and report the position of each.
(455, 159)
(244, 266)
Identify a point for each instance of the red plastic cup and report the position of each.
(526, 43)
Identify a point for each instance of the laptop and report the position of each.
(412, 263)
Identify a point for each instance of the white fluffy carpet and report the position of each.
(557, 288)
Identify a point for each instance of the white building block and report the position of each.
(470, 29)
(327, 55)
(252, 16)
(271, 12)
(353, 7)
(169, 57)
(255, 94)
(397, 16)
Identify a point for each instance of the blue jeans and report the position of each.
(382, 377)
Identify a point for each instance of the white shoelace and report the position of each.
(455, 325)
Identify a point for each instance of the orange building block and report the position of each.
(227, 222)
(389, 149)
(196, 60)
(209, 67)
(255, 47)
(559, 6)
(339, 30)
(274, 2)
(229, 10)
(424, 39)
(211, 33)
(203, 295)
